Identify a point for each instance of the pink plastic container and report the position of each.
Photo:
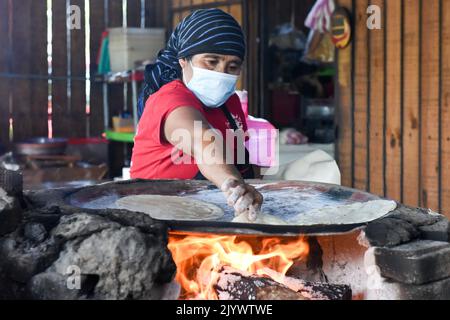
(263, 137)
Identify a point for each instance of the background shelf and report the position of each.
(119, 136)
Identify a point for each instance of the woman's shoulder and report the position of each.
(174, 88)
(175, 84)
(173, 94)
(170, 97)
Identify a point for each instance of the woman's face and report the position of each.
(211, 61)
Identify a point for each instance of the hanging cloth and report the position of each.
(319, 18)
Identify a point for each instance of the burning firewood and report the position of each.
(234, 284)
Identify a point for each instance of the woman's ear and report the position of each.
(182, 62)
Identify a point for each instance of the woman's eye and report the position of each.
(233, 69)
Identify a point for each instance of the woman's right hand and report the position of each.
(244, 198)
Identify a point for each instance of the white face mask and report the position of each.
(211, 87)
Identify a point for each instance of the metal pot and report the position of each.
(40, 146)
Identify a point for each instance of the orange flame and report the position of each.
(200, 257)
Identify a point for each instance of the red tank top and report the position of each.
(152, 156)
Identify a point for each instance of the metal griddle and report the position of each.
(282, 199)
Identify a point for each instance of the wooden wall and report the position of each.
(394, 102)
(22, 54)
(24, 88)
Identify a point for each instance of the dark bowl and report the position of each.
(41, 146)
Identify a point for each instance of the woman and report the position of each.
(189, 93)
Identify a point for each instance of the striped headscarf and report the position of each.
(203, 31)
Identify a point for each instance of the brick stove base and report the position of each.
(403, 256)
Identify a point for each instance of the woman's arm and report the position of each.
(184, 129)
(180, 130)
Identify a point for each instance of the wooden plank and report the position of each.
(4, 29)
(265, 109)
(282, 12)
(185, 3)
(60, 114)
(176, 3)
(4, 68)
(20, 53)
(134, 13)
(115, 13)
(430, 105)
(97, 18)
(224, 8)
(236, 11)
(411, 94)
(445, 112)
(344, 110)
(78, 66)
(393, 151)
(253, 47)
(361, 180)
(150, 9)
(157, 14)
(29, 109)
(376, 85)
(38, 65)
(165, 19)
(115, 92)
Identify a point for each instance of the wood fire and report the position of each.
(201, 259)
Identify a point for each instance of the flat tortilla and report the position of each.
(171, 207)
(356, 213)
(262, 218)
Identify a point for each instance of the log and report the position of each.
(234, 284)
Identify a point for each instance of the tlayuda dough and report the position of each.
(171, 207)
(356, 213)
(262, 218)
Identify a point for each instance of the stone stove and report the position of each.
(53, 250)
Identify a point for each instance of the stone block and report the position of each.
(417, 263)
(10, 213)
(11, 182)
(390, 290)
(439, 231)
